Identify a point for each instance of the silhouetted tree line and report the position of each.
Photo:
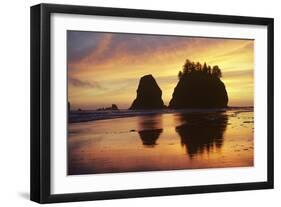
(192, 67)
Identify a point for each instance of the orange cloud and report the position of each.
(117, 61)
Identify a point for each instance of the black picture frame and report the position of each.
(41, 96)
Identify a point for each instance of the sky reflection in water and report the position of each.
(161, 142)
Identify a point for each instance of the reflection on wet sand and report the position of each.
(171, 141)
(200, 132)
(151, 128)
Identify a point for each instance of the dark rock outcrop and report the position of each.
(113, 107)
(199, 90)
(149, 95)
(68, 107)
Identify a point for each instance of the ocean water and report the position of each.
(134, 141)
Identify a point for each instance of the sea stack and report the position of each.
(199, 90)
(149, 95)
(68, 107)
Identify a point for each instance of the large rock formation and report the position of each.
(199, 90)
(149, 95)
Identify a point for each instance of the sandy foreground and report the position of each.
(169, 141)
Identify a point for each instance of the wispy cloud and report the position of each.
(99, 48)
(83, 84)
(118, 60)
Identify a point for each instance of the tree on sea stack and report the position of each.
(199, 86)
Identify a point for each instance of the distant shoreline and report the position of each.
(95, 115)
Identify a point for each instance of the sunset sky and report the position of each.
(105, 68)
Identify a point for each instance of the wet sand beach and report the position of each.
(167, 141)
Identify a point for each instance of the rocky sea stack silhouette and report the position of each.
(113, 107)
(149, 95)
(199, 86)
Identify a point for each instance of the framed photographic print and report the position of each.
(132, 103)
